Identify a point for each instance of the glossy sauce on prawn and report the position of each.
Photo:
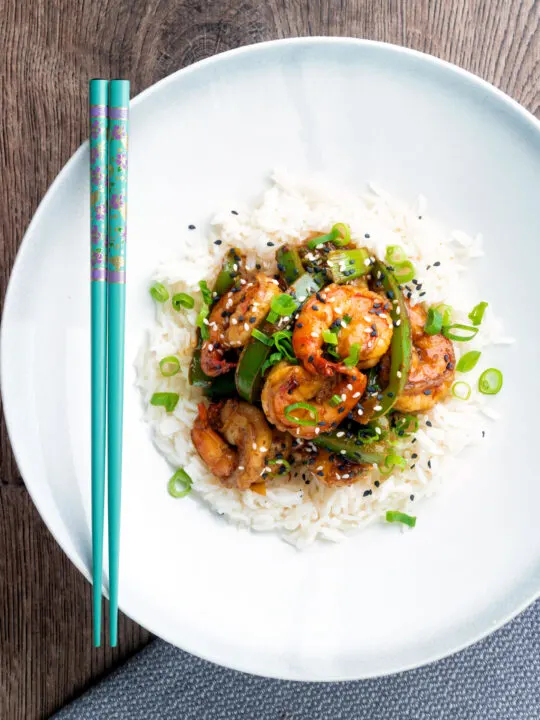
(232, 320)
(369, 327)
(288, 384)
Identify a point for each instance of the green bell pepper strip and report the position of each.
(249, 375)
(289, 264)
(345, 265)
(400, 348)
(221, 386)
(227, 275)
(349, 448)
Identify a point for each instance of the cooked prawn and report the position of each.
(234, 439)
(370, 327)
(232, 319)
(334, 470)
(289, 384)
(432, 367)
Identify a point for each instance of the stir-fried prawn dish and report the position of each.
(317, 379)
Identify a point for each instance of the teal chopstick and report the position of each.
(98, 103)
(116, 279)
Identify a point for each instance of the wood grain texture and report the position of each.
(50, 48)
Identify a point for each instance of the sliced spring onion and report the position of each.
(258, 335)
(329, 337)
(331, 350)
(347, 319)
(395, 255)
(283, 305)
(340, 235)
(466, 332)
(391, 461)
(468, 361)
(477, 313)
(434, 322)
(406, 424)
(272, 360)
(169, 366)
(461, 390)
(490, 381)
(345, 265)
(206, 292)
(168, 400)
(367, 434)
(393, 516)
(182, 300)
(404, 272)
(335, 400)
(354, 356)
(180, 484)
(201, 317)
(299, 420)
(283, 466)
(282, 340)
(159, 292)
(272, 317)
(446, 312)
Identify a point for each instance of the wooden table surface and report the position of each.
(50, 48)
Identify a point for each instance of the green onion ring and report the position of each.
(169, 366)
(400, 517)
(490, 381)
(159, 292)
(461, 390)
(180, 484)
(447, 332)
(302, 421)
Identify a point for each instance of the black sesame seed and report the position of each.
(270, 243)
(252, 320)
(429, 464)
(367, 492)
(281, 267)
(258, 266)
(446, 358)
(320, 298)
(376, 483)
(299, 325)
(419, 217)
(450, 366)
(233, 212)
(308, 482)
(413, 466)
(427, 392)
(411, 497)
(429, 423)
(320, 473)
(191, 227)
(218, 242)
(413, 440)
(422, 294)
(311, 358)
(315, 308)
(436, 264)
(414, 456)
(483, 433)
(367, 236)
(427, 267)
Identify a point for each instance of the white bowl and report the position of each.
(207, 138)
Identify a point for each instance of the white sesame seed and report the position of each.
(263, 449)
(317, 430)
(398, 310)
(301, 299)
(320, 467)
(338, 476)
(343, 396)
(345, 477)
(356, 395)
(314, 334)
(254, 446)
(246, 327)
(367, 318)
(242, 281)
(378, 431)
(398, 373)
(377, 408)
(349, 387)
(343, 452)
(205, 321)
(210, 347)
(360, 412)
(338, 310)
(234, 321)
(241, 467)
(340, 433)
(235, 267)
(367, 262)
(298, 431)
(398, 322)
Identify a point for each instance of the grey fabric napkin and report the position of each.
(497, 679)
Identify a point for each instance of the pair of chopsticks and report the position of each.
(108, 109)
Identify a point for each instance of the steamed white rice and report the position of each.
(291, 209)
